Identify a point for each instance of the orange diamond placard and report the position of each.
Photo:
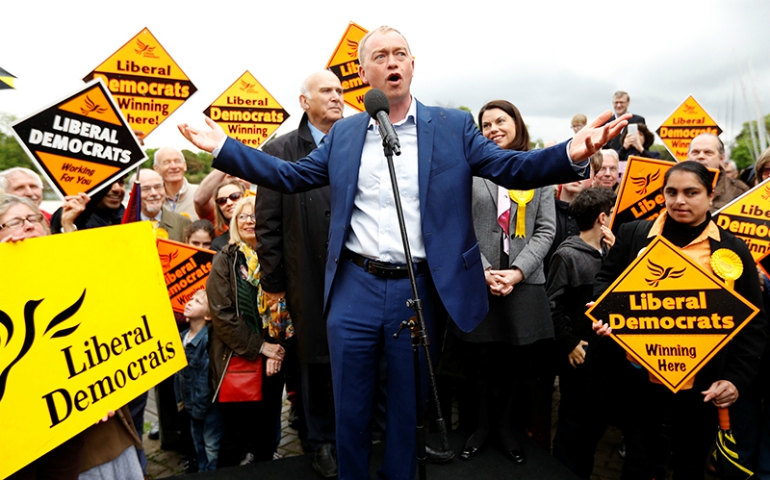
(146, 82)
(247, 112)
(81, 143)
(640, 196)
(344, 63)
(185, 270)
(670, 314)
(748, 218)
(687, 122)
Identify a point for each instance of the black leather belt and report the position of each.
(382, 269)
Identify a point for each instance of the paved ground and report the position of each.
(168, 463)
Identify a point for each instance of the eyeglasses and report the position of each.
(247, 217)
(235, 196)
(18, 222)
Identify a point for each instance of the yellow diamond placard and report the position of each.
(687, 122)
(247, 112)
(670, 314)
(77, 342)
(344, 63)
(145, 81)
(82, 143)
(640, 196)
(748, 218)
(185, 270)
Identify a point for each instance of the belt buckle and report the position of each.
(369, 267)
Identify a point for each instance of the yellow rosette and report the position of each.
(161, 232)
(727, 264)
(522, 198)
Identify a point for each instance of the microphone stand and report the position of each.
(418, 332)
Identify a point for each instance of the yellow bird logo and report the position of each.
(92, 107)
(645, 181)
(143, 48)
(29, 331)
(661, 273)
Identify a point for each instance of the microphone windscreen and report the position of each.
(375, 101)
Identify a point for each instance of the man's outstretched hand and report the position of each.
(206, 140)
(591, 138)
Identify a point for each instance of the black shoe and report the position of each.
(517, 455)
(469, 453)
(438, 456)
(154, 431)
(325, 461)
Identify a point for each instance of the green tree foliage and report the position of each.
(663, 151)
(741, 150)
(11, 153)
(198, 164)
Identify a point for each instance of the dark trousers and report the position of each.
(249, 427)
(569, 444)
(318, 403)
(675, 429)
(601, 392)
(137, 406)
(364, 313)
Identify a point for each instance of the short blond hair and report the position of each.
(235, 235)
(579, 119)
(381, 30)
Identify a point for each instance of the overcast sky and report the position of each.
(551, 58)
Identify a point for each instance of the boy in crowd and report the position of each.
(192, 387)
(570, 286)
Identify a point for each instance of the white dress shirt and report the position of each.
(374, 230)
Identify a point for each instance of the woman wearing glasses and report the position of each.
(226, 195)
(234, 291)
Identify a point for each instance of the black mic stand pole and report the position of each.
(419, 334)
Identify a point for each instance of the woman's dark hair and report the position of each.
(201, 224)
(521, 142)
(649, 137)
(704, 176)
(221, 221)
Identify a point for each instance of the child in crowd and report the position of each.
(570, 286)
(192, 387)
(199, 234)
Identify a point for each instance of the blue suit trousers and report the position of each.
(364, 313)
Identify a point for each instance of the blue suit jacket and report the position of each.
(451, 150)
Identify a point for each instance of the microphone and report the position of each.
(378, 107)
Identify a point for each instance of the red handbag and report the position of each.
(242, 381)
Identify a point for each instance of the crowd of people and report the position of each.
(509, 245)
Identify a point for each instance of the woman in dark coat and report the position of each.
(512, 251)
(237, 330)
(687, 418)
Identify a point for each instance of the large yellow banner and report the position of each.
(85, 326)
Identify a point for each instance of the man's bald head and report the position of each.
(321, 98)
(708, 150)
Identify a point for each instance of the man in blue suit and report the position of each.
(366, 286)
